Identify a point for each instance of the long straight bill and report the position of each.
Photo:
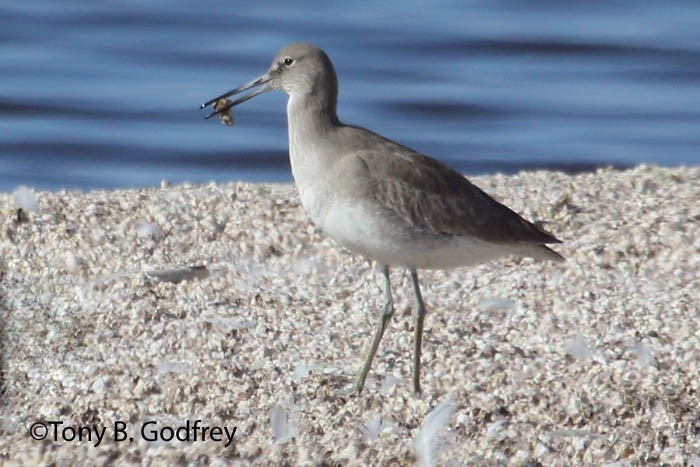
(264, 79)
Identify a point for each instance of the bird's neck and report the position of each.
(309, 113)
(311, 121)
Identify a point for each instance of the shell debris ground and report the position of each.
(591, 362)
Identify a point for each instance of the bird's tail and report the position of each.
(543, 252)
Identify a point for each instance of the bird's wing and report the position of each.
(428, 194)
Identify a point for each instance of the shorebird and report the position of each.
(381, 199)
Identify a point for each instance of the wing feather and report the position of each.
(429, 194)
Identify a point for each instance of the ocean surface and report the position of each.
(107, 94)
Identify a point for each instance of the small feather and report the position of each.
(372, 427)
(180, 274)
(578, 348)
(643, 353)
(429, 441)
(283, 426)
(496, 303)
(24, 199)
(146, 229)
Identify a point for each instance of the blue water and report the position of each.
(106, 94)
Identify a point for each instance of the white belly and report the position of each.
(388, 240)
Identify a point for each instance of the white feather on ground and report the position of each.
(147, 229)
(496, 303)
(372, 427)
(178, 275)
(578, 348)
(643, 353)
(429, 441)
(300, 371)
(24, 199)
(283, 425)
(494, 429)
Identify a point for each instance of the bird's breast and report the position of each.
(312, 201)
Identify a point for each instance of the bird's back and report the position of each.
(430, 194)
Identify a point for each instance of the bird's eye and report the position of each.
(289, 61)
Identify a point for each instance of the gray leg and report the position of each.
(384, 319)
(418, 336)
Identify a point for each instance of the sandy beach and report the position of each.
(143, 311)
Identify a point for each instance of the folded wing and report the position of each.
(429, 194)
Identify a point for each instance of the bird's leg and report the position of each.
(384, 319)
(418, 336)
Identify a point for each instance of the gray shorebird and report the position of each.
(381, 199)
